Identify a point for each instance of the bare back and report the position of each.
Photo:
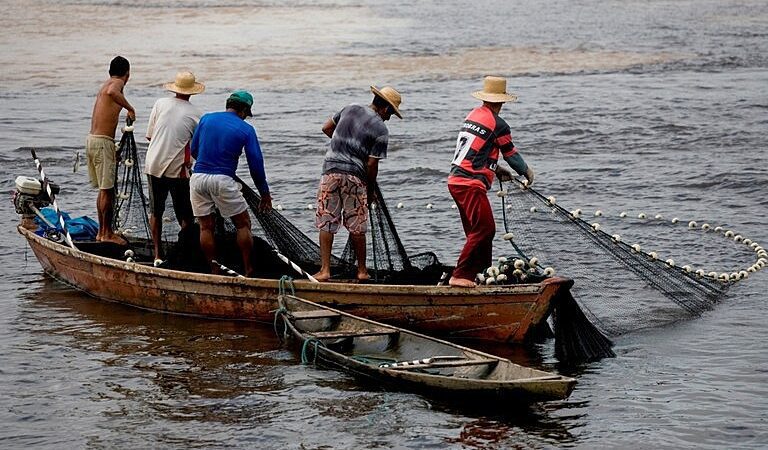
(106, 110)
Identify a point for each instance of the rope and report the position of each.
(280, 312)
(49, 191)
(283, 283)
(305, 347)
(504, 219)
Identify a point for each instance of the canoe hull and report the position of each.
(358, 346)
(499, 313)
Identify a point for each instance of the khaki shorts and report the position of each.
(101, 154)
(342, 196)
(209, 192)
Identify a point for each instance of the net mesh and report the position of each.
(620, 288)
(130, 213)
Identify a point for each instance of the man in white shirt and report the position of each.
(170, 129)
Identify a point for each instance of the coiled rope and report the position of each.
(305, 347)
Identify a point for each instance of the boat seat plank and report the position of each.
(315, 314)
(441, 364)
(352, 334)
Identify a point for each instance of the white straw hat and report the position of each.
(494, 91)
(185, 84)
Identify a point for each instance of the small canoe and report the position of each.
(410, 361)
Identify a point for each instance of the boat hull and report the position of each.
(411, 361)
(494, 313)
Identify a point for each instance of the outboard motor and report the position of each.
(29, 198)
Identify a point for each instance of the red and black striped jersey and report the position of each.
(482, 137)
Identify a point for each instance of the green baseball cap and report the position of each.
(243, 97)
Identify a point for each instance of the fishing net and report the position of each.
(130, 212)
(387, 258)
(620, 287)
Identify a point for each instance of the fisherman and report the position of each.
(100, 147)
(359, 140)
(482, 137)
(171, 125)
(217, 144)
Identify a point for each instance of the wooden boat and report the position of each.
(497, 313)
(412, 361)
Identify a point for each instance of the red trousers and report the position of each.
(479, 227)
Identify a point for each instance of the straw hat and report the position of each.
(494, 91)
(391, 96)
(185, 84)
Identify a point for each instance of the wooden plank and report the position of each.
(315, 314)
(348, 334)
(442, 364)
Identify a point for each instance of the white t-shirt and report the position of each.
(171, 125)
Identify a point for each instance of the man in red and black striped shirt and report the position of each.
(483, 136)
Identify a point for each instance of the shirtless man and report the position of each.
(100, 144)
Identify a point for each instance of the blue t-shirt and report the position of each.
(360, 132)
(219, 140)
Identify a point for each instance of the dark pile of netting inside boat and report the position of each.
(387, 259)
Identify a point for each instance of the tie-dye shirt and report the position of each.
(359, 133)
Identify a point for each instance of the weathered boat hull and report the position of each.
(411, 361)
(497, 313)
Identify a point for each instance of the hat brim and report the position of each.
(378, 94)
(173, 87)
(494, 98)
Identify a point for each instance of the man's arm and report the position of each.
(151, 123)
(328, 127)
(372, 169)
(256, 167)
(115, 92)
(194, 146)
(517, 163)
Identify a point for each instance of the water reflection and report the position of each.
(188, 371)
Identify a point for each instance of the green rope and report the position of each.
(305, 347)
(285, 282)
(279, 313)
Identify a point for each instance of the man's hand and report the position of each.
(132, 115)
(529, 176)
(266, 203)
(503, 173)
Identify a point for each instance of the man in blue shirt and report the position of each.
(217, 144)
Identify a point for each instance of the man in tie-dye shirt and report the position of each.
(359, 140)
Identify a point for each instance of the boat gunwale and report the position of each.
(498, 292)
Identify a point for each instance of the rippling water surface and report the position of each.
(656, 106)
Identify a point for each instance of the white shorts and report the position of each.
(209, 192)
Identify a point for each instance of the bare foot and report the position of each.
(114, 238)
(461, 282)
(322, 276)
(363, 276)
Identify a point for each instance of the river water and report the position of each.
(658, 106)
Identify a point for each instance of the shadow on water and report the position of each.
(191, 370)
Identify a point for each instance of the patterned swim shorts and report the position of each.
(342, 195)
